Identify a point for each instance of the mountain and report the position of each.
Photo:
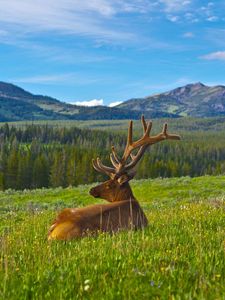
(195, 100)
(17, 104)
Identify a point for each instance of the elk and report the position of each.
(123, 212)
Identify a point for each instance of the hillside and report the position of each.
(17, 104)
(195, 100)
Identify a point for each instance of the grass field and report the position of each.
(185, 124)
(180, 255)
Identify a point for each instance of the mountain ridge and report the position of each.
(16, 104)
(194, 100)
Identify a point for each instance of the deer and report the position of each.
(123, 212)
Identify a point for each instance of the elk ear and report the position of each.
(125, 178)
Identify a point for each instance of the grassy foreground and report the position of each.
(179, 256)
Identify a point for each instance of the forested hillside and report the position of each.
(46, 156)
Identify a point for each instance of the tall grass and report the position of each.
(180, 255)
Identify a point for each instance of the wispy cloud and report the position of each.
(190, 11)
(55, 79)
(219, 55)
(173, 18)
(188, 35)
(94, 102)
(215, 36)
(86, 18)
(208, 12)
(175, 5)
(97, 18)
(212, 19)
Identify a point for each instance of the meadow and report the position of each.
(180, 255)
(183, 125)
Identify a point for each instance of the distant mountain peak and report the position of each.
(194, 99)
(184, 91)
(197, 84)
(190, 86)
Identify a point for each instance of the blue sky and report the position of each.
(107, 51)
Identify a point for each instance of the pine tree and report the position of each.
(24, 173)
(11, 171)
(40, 172)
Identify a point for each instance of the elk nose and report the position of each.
(93, 192)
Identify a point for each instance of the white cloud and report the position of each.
(173, 18)
(188, 11)
(114, 103)
(219, 55)
(191, 17)
(212, 19)
(188, 35)
(94, 102)
(175, 5)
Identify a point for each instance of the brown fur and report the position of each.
(118, 215)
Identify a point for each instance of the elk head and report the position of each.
(123, 169)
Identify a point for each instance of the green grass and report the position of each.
(180, 255)
(186, 124)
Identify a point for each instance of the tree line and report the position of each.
(44, 156)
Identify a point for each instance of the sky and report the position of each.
(108, 51)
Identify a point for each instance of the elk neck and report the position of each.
(125, 193)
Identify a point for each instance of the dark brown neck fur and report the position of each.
(125, 193)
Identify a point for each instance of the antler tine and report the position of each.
(165, 127)
(136, 158)
(130, 133)
(146, 131)
(128, 147)
(168, 135)
(98, 166)
(105, 168)
(144, 124)
(115, 156)
(114, 161)
(133, 145)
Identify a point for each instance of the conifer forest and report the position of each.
(39, 155)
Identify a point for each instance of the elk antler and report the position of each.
(119, 165)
